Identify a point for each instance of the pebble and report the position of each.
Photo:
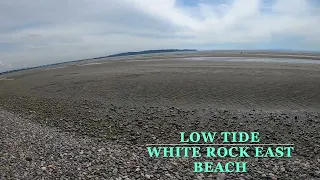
(147, 176)
(67, 153)
(115, 171)
(221, 176)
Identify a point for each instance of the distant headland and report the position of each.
(148, 52)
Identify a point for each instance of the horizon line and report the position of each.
(110, 56)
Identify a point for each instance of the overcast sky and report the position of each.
(34, 32)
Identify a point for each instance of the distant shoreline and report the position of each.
(194, 53)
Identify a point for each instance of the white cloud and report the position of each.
(35, 32)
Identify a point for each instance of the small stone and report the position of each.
(144, 169)
(28, 159)
(303, 176)
(115, 171)
(52, 166)
(102, 149)
(175, 164)
(221, 176)
(272, 176)
(147, 176)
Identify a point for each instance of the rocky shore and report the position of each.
(93, 122)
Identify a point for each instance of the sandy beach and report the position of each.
(92, 121)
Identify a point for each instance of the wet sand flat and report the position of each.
(174, 82)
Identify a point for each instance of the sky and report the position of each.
(37, 32)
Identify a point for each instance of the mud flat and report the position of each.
(112, 108)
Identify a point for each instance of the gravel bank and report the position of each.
(33, 151)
